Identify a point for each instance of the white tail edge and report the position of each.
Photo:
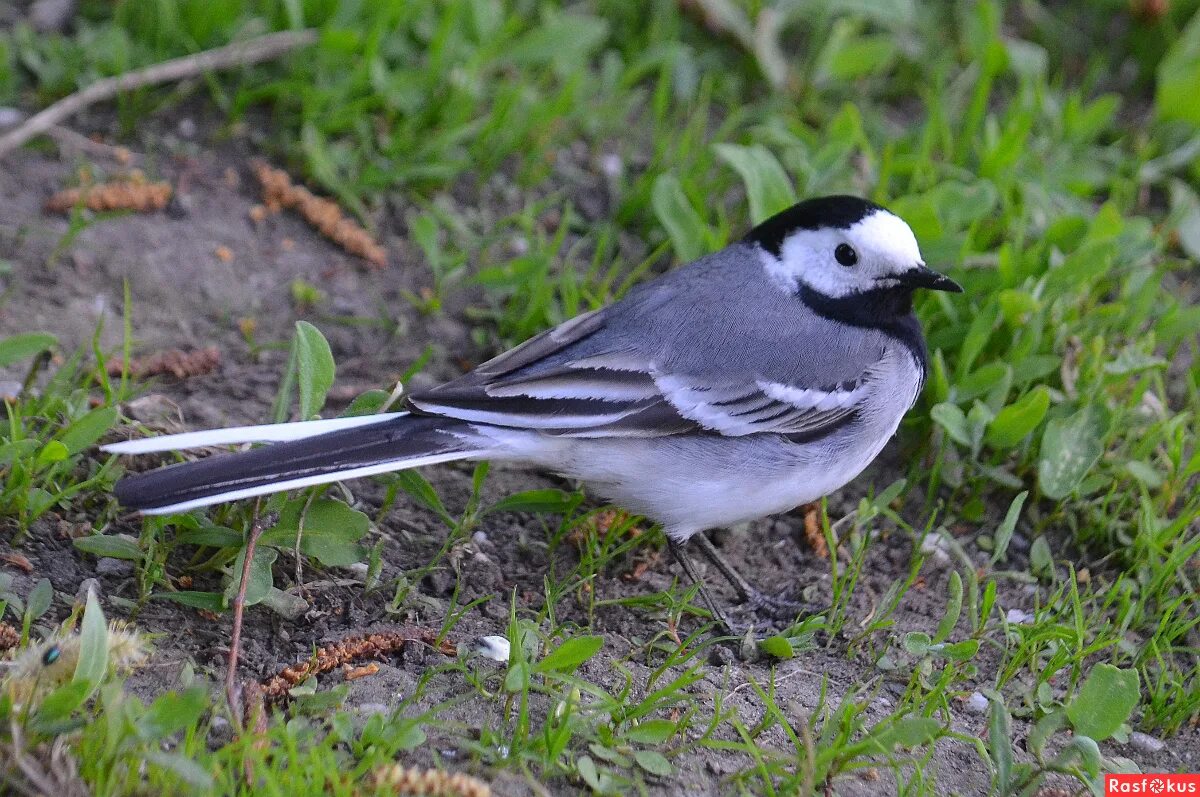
(263, 433)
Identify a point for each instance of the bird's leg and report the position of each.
(752, 597)
(689, 568)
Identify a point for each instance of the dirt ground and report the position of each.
(185, 295)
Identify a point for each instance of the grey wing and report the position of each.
(565, 382)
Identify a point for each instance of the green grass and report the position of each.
(1048, 165)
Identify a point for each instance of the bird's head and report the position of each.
(840, 247)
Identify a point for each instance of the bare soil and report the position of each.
(184, 295)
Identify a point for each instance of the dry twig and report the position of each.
(324, 214)
(239, 610)
(243, 53)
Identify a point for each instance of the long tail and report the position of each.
(308, 453)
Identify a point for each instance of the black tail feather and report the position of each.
(408, 437)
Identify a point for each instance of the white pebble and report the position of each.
(10, 117)
(480, 537)
(492, 647)
(977, 703)
(934, 545)
(373, 708)
(611, 165)
(1019, 617)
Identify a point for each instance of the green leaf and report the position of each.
(59, 704)
(1178, 76)
(331, 531)
(951, 418)
(186, 769)
(907, 732)
(93, 645)
(564, 40)
(314, 368)
(654, 731)
(52, 452)
(1070, 448)
(170, 713)
(917, 643)
(1106, 700)
(587, 771)
(1043, 729)
(211, 536)
(1004, 532)
(1041, 561)
(675, 213)
(653, 762)
(117, 546)
(367, 403)
(260, 579)
(768, 187)
(546, 501)
(862, 56)
(88, 429)
(211, 601)
(778, 647)
(570, 654)
(18, 347)
(1014, 422)
(953, 608)
(38, 602)
(517, 677)
(1000, 744)
(419, 488)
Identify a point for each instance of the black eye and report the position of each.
(845, 255)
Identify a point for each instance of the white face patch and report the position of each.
(884, 244)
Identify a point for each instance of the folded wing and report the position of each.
(542, 386)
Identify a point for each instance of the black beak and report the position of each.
(923, 277)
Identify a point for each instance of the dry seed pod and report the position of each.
(173, 362)
(324, 214)
(132, 194)
(404, 780)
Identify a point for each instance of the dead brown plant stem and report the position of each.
(242, 53)
(232, 692)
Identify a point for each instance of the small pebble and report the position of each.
(87, 586)
(934, 545)
(187, 127)
(1145, 743)
(1019, 617)
(10, 389)
(358, 570)
(495, 648)
(720, 655)
(10, 117)
(373, 708)
(114, 568)
(611, 165)
(977, 703)
(480, 538)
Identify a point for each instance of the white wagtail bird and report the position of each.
(749, 382)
